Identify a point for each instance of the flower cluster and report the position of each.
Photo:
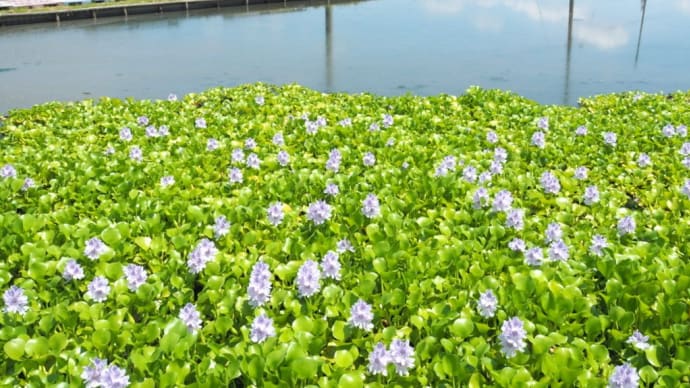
(95, 248)
(308, 279)
(319, 212)
(361, 316)
(204, 252)
(259, 289)
(15, 301)
(400, 354)
(190, 317)
(487, 304)
(512, 337)
(262, 328)
(370, 206)
(550, 183)
(334, 159)
(100, 374)
(275, 213)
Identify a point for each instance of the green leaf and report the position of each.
(343, 359)
(14, 348)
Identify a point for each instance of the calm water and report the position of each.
(383, 46)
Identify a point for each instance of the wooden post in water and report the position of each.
(566, 91)
(639, 35)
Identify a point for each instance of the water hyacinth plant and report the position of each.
(462, 253)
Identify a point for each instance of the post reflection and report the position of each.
(639, 35)
(566, 89)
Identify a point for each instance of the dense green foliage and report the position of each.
(422, 263)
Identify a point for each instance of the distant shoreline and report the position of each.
(57, 14)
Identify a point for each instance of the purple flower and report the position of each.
(503, 201)
(374, 127)
(143, 120)
(539, 139)
(151, 131)
(321, 121)
(275, 213)
(73, 271)
(379, 360)
(136, 276)
(361, 316)
(484, 177)
(318, 212)
(517, 245)
(346, 122)
(278, 139)
(114, 377)
(163, 130)
(167, 180)
(15, 301)
(98, 289)
(682, 130)
(28, 183)
(512, 337)
(387, 121)
(638, 340)
(644, 160)
(235, 175)
(496, 168)
(480, 198)
(344, 245)
(581, 130)
(514, 219)
(200, 122)
(308, 279)
(190, 317)
(126, 134)
(624, 376)
(369, 159)
(685, 190)
(311, 127)
(550, 183)
(370, 206)
(331, 265)
(558, 251)
(534, 256)
(283, 158)
(469, 174)
(93, 374)
(554, 232)
(253, 161)
(262, 329)
(492, 137)
(581, 173)
(610, 138)
(487, 304)
(259, 100)
(543, 123)
(685, 149)
(136, 154)
(221, 227)
(500, 155)
(402, 356)
(668, 130)
(626, 225)
(212, 144)
(334, 159)
(237, 155)
(331, 189)
(172, 97)
(390, 142)
(591, 195)
(598, 244)
(405, 165)
(446, 165)
(109, 151)
(250, 143)
(95, 248)
(259, 288)
(204, 252)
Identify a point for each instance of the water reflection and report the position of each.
(382, 46)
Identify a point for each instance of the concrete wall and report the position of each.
(113, 9)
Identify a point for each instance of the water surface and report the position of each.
(539, 49)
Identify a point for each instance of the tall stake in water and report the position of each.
(566, 91)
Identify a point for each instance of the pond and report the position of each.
(550, 51)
